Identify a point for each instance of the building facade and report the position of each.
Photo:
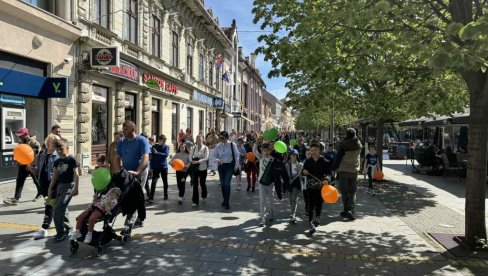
(252, 94)
(167, 79)
(37, 83)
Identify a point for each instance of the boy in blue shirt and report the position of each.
(159, 166)
(370, 165)
(65, 181)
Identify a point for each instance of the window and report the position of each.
(201, 120)
(175, 114)
(176, 49)
(210, 73)
(130, 107)
(189, 59)
(189, 118)
(244, 88)
(155, 124)
(130, 18)
(156, 36)
(101, 11)
(201, 71)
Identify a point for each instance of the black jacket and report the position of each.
(132, 197)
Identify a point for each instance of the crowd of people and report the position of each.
(300, 171)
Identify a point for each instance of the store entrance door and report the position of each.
(99, 122)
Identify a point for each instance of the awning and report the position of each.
(247, 119)
(460, 119)
(413, 122)
(439, 121)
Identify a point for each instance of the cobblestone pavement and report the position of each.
(208, 240)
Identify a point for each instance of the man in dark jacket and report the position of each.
(347, 167)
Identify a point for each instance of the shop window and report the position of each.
(35, 122)
(201, 120)
(155, 126)
(189, 59)
(189, 118)
(99, 131)
(101, 13)
(156, 36)
(130, 107)
(130, 20)
(175, 115)
(175, 49)
(244, 88)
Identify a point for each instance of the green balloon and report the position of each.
(51, 201)
(280, 147)
(101, 177)
(293, 142)
(275, 132)
(267, 135)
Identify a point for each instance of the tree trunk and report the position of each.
(380, 128)
(477, 161)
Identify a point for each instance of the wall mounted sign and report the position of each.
(105, 56)
(155, 82)
(125, 70)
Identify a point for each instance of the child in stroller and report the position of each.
(102, 205)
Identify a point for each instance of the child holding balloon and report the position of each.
(370, 165)
(181, 173)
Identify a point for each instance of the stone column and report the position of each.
(119, 114)
(146, 112)
(84, 119)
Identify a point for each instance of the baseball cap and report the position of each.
(22, 131)
(294, 151)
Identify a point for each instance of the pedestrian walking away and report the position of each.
(25, 170)
(133, 151)
(294, 169)
(347, 167)
(227, 157)
(198, 170)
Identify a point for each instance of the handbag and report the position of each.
(238, 171)
(266, 179)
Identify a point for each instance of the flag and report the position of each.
(228, 77)
(225, 76)
(219, 61)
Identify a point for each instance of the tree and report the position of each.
(403, 57)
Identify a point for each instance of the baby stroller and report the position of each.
(131, 199)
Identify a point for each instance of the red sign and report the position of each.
(125, 70)
(166, 86)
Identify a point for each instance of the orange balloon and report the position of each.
(378, 175)
(329, 194)
(24, 154)
(178, 165)
(250, 157)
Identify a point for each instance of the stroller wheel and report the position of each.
(124, 239)
(99, 250)
(74, 246)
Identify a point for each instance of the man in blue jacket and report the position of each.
(159, 166)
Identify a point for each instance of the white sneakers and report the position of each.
(88, 238)
(180, 200)
(41, 234)
(75, 235)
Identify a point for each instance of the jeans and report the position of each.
(198, 179)
(225, 175)
(61, 212)
(180, 182)
(315, 203)
(251, 176)
(293, 200)
(48, 209)
(266, 199)
(155, 177)
(370, 177)
(348, 184)
(22, 174)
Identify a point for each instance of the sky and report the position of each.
(248, 33)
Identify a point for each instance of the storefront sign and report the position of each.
(25, 84)
(125, 70)
(11, 99)
(218, 103)
(105, 56)
(149, 80)
(99, 94)
(202, 98)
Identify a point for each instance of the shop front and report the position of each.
(206, 117)
(24, 94)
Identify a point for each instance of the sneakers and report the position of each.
(238, 187)
(139, 223)
(88, 238)
(75, 235)
(38, 198)
(166, 197)
(293, 220)
(194, 205)
(149, 200)
(60, 237)
(271, 217)
(180, 200)
(41, 234)
(253, 189)
(312, 229)
(11, 201)
(262, 221)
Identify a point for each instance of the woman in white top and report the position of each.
(199, 157)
